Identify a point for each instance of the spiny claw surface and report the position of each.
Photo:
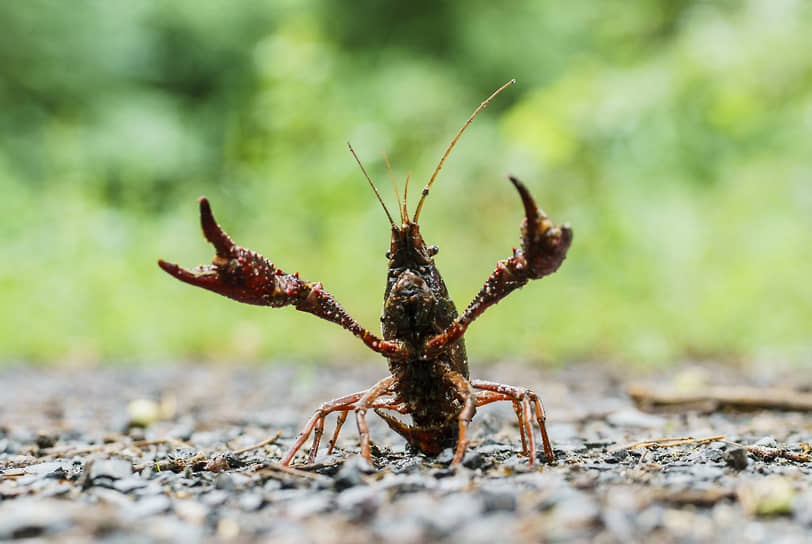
(195, 276)
(544, 244)
(235, 272)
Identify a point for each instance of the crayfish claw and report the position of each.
(544, 244)
(222, 242)
(205, 276)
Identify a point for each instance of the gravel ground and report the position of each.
(150, 455)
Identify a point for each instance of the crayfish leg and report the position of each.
(528, 400)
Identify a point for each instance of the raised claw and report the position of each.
(235, 272)
(206, 276)
(544, 244)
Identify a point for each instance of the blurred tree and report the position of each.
(673, 135)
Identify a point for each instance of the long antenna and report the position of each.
(453, 142)
(374, 189)
(406, 195)
(395, 185)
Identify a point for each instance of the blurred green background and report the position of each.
(673, 136)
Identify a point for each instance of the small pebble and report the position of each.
(360, 502)
(767, 442)
(498, 498)
(445, 457)
(616, 456)
(736, 458)
(149, 506)
(352, 473)
(191, 511)
(45, 440)
(251, 501)
(802, 508)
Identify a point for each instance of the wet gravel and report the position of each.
(143, 455)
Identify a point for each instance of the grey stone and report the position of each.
(706, 472)
(149, 506)
(474, 459)
(128, 485)
(45, 469)
(499, 527)
(352, 473)
(191, 511)
(313, 504)
(576, 510)
(445, 456)
(115, 469)
(251, 501)
(225, 481)
(498, 498)
(182, 454)
(616, 456)
(650, 519)
(215, 497)
(737, 458)
(452, 511)
(359, 502)
(56, 490)
(802, 508)
(714, 455)
(33, 517)
(45, 440)
(767, 442)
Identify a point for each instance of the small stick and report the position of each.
(276, 467)
(172, 464)
(748, 398)
(70, 450)
(258, 445)
(667, 442)
(767, 453)
(143, 443)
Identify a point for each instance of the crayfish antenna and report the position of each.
(453, 143)
(374, 189)
(395, 186)
(405, 196)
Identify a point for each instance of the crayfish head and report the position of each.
(407, 249)
(410, 305)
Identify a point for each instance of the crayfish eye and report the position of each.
(388, 254)
(433, 250)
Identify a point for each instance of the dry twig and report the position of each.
(714, 398)
(667, 442)
(175, 465)
(768, 454)
(258, 445)
(277, 468)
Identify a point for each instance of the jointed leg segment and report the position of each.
(361, 408)
(317, 421)
(524, 401)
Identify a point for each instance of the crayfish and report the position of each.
(422, 333)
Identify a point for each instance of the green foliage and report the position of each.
(674, 136)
